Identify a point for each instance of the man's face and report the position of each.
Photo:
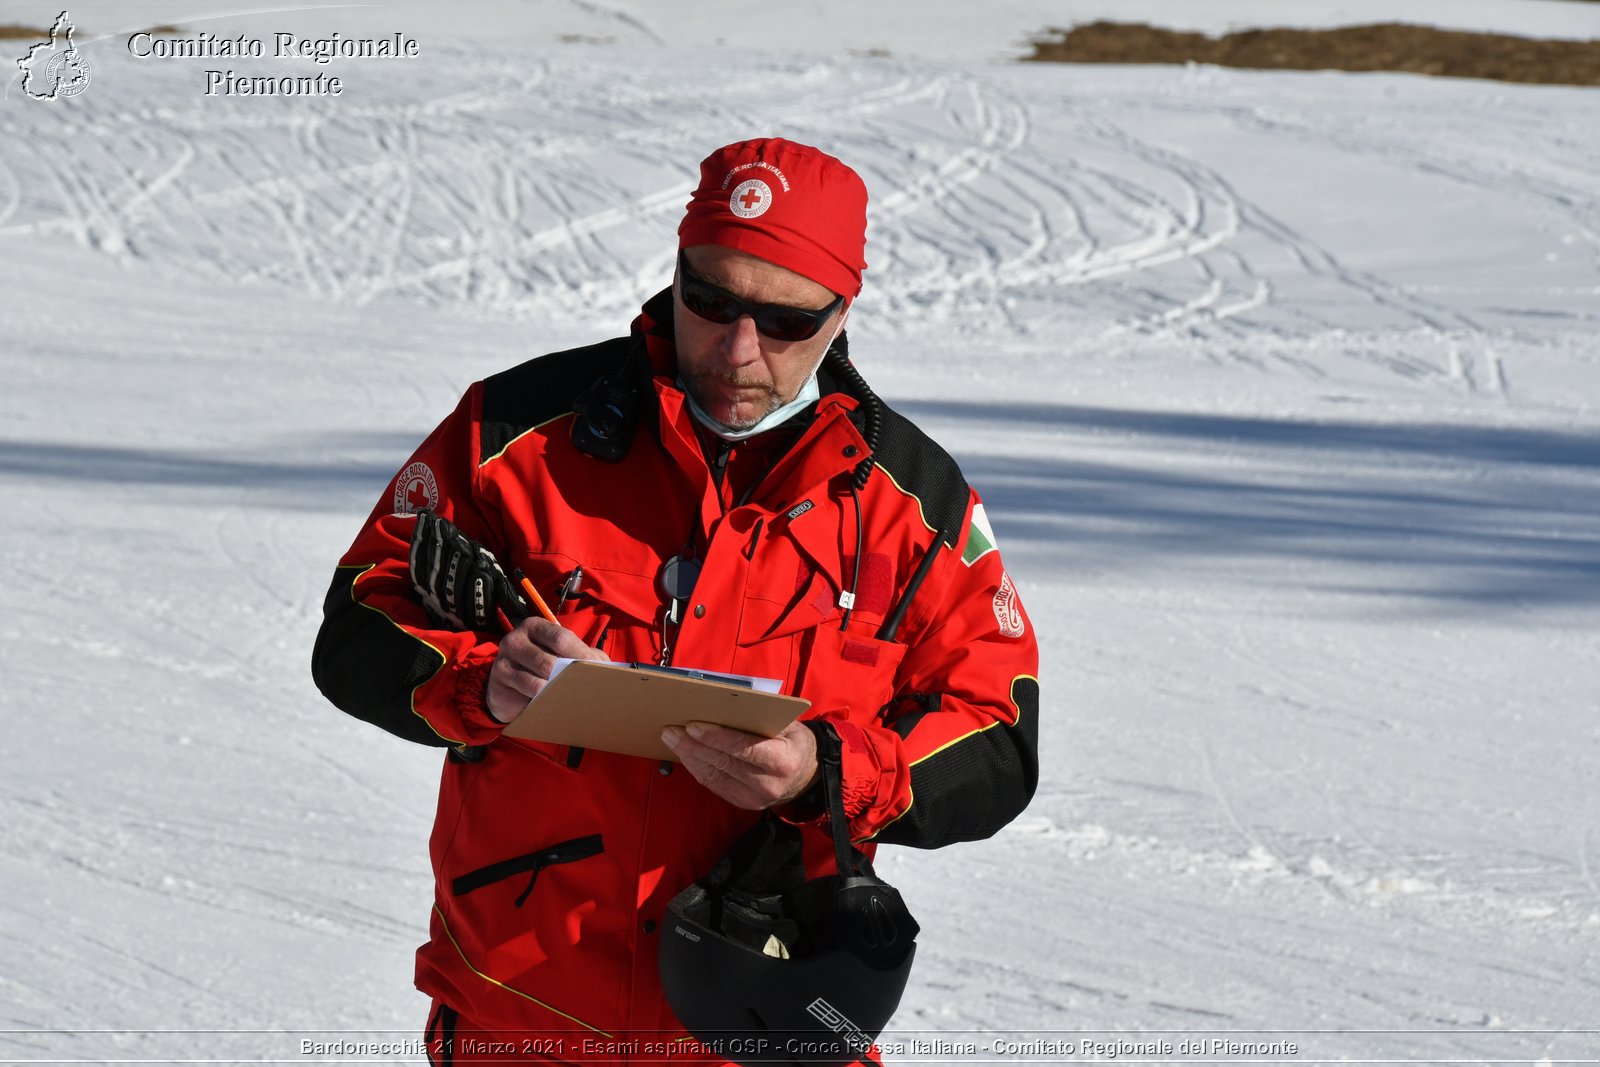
(736, 373)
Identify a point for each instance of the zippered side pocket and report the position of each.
(579, 848)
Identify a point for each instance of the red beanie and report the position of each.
(788, 203)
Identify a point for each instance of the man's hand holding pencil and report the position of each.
(527, 655)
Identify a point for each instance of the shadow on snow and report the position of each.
(1482, 514)
(1486, 514)
(350, 472)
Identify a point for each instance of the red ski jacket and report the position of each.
(554, 866)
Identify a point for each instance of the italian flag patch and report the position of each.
(980, 537)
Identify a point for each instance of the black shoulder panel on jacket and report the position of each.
(517, 400)
(969, 790)
(922, 468)
(369, 671)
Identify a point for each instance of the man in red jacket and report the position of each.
(720, 490)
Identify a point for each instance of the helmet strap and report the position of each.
(831, 762)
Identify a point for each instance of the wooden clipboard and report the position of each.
(618, 708)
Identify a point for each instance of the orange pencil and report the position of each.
(538, 601)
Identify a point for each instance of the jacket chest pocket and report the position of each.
(612, 610)
(848, 671)
(617, 611)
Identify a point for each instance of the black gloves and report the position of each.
(460, 582)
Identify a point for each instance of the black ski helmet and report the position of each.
(766, 967)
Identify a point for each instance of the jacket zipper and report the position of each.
(578, 848)
(719, 466)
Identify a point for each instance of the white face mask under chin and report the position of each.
(809, 393)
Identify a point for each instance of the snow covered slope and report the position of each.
(1281, 388)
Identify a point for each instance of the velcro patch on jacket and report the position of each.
(859, 652)
(874, 585)
(851, 736)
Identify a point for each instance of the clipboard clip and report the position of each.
(699, 676)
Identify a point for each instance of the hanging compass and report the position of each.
(678, 577)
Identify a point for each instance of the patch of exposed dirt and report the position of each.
(1390, 46)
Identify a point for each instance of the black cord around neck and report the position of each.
(838, 363)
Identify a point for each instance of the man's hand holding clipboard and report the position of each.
(742, 743)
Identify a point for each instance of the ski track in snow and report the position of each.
(525, 213)
(1319, 703)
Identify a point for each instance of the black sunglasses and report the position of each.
(777, 321)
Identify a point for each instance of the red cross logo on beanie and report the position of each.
(750, 198)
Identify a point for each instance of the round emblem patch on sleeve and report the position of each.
(1006, 611)
(415, 489)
